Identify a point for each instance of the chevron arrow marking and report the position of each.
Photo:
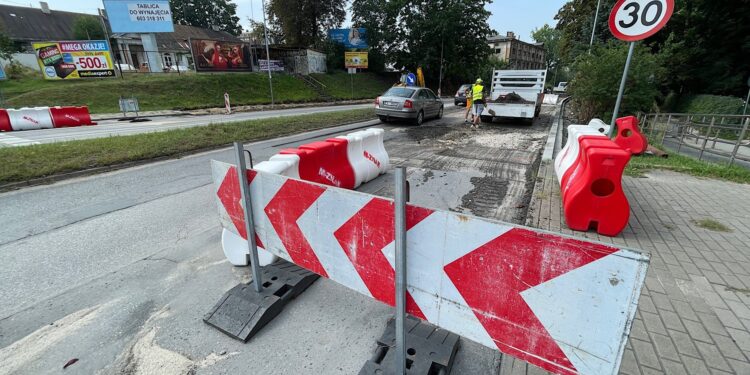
(559, 303)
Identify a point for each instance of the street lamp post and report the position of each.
(593, 29)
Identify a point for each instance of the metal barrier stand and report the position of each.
(400, 215)
(239, 151)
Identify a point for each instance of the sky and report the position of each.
(520, 16)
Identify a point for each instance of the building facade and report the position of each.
(518, 54)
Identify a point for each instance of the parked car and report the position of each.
(561, 87)
(408, 103)
(460, 98)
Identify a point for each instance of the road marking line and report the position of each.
(16, 141)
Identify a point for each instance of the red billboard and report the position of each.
(220, 56)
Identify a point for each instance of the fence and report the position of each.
(712, 136)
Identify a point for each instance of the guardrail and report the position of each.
(722, 136)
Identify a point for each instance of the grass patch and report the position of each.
(639, 165)
(712, 225)
(25, 163)
(366, 85)
(158, 91)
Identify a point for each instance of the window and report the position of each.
(400, 92)
(168, 60)
(423, 95)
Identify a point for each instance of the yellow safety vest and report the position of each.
(477, 92)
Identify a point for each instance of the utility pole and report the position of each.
(268, 54)
(596, 20)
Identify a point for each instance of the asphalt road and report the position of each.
(109, 128)
(118, 269)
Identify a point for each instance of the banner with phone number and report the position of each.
(75, 59)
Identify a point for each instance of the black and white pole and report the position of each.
(239, 151)
(624, 81)
(400, 215)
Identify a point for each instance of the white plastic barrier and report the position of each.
(551, 99)
(367, 156)
(601, 126)
(30, 118)
(374, 148)
(569, 154)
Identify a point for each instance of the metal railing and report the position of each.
(714, 136)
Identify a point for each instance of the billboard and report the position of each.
(355, 60)
(220, 56)
(133, 16)
(276, 65)
(74, 59)
(350, 38)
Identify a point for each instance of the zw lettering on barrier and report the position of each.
(371, 158)
(559, 303)
(329, 176)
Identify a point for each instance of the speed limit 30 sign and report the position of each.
(634, 20)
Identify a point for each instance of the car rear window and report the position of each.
(399, 92)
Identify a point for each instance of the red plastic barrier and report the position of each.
(63, 117)
(5, 121)
(595, 196)
(325, 163)
(629, 136)
(574, 172)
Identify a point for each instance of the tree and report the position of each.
(257, 34)
(551, 39)
(597, 80)
(7, 48)
(304, 22)
(88, 28)
(208, 14)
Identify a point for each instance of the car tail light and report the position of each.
(408, 104)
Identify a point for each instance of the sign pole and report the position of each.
(268, 54)
(593, 29)
(622, 84)
(248, 211)
(400, 215)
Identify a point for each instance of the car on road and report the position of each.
(561, 87)
(408, 103)
(460, 98)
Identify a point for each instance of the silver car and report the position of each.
(410, 103)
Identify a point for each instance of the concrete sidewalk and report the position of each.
(694, 312)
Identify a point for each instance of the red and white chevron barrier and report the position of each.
(44, 118)
(559, 303)
(346, 161)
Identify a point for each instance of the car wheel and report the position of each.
(440, 113)
(486, 119)
(383, 119)
(420, 118)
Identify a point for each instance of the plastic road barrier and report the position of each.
(570, 153)
(593, 196)
(44, 118)
(30, 118)
(629, 136)
(5, 121)
(63, 117)
(601, 126)
(347, 161)
(559, 303)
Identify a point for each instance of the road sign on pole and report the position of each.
(562, 304)
(634, 20)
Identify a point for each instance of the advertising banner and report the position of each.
(133, 16)
(276, 65)
(220, 56)
(355, 60)
(74, 59)
(350, 38)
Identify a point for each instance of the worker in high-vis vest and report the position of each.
(477, 95)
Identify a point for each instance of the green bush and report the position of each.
(710, 104)
(596, 81)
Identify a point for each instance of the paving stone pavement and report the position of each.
(694, 313)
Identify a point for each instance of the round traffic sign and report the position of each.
(633, 20)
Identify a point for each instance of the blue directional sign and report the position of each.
(411, 79)
(3, 77)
